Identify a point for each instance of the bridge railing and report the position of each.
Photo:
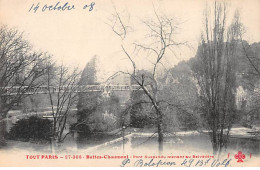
(67, 89)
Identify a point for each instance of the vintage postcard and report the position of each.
(140, 83)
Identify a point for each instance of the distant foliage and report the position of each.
(82, 129)
(32, 128)
(140, 121)
(187, 120)
(141, 114)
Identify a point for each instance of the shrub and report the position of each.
(31, 128)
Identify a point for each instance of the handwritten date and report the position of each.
(58, 6)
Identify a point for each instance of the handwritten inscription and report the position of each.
(185, 163)
(59, 6)
(207, 162)
(150, 163)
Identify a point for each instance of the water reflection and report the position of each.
(136, 142)
(192, 144)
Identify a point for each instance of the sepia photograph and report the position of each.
(140, 83)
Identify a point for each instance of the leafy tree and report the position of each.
(180, 93)
(250, 78)
(88, 102)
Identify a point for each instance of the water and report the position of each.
(193, 144)
(134, 143)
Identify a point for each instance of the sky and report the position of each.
(74, 37)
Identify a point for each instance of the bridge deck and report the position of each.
(8, 91)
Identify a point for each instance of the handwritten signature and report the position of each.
(185, 162)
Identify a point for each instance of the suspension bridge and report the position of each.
(25, 90)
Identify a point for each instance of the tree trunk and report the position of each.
(214, 142)
(54, 127)
(160, 133)
(2, 132)
(3, 114)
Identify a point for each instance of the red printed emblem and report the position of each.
(240, 156)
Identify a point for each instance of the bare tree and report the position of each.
(62, 85)
(215, 72)
(20, 69)
(161, 37)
